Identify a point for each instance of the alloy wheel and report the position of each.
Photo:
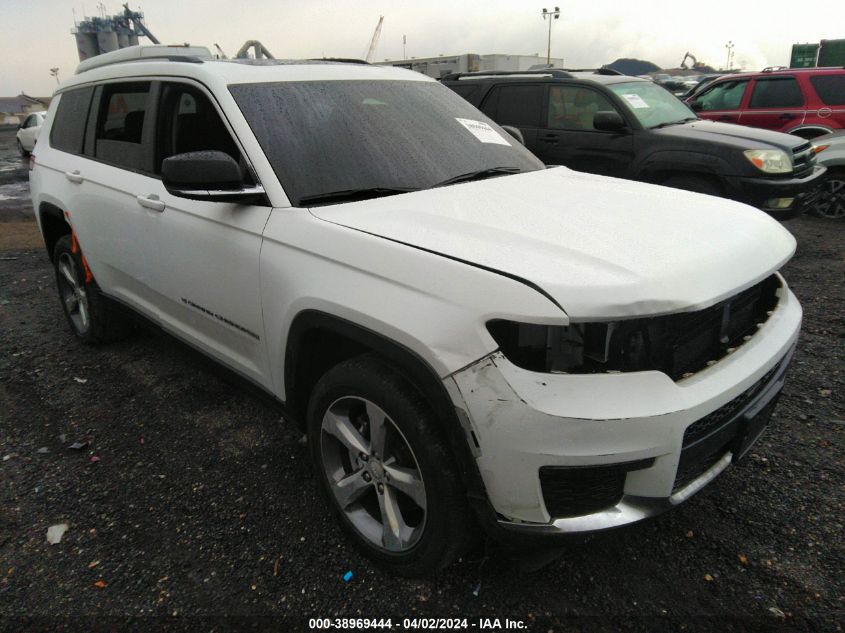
(373, 474)
(831, 204)
(73, 293)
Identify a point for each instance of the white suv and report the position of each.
(467, 337)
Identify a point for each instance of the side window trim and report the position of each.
(91, 128)
(148, 135)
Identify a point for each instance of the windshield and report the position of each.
(652, 105)
(332, 141)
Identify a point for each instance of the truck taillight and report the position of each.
(31, 162)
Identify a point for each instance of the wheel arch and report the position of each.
(660, 166)
(811, 131)
(318, 340)
(53, 225)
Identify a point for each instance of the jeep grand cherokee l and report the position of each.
(467, 337)
(605, 123)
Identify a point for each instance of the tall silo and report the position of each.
(86, 45)
(122, 36)
(107, 39)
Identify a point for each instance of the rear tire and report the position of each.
(90, 316)
(385, 470)
(830, 205)
(697, 184)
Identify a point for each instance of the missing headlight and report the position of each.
(675, 344)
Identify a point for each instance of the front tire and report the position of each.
(92, 320)
(385, 469)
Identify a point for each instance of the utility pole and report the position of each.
(54, 72)
(730, 47)
(552, 15)
(404, 52)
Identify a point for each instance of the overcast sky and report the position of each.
(35, 34)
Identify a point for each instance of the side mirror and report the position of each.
(208, 175)
(514, 132)
(608, 121)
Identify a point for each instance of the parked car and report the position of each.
(830, 150)
(702, 83)
(29, 131)
(467, 338)
(806, 102)
(606, 123)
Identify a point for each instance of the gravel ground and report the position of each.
(191, 497)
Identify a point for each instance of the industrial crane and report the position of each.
(374, 42)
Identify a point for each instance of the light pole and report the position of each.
(551, 15)
(730, 47)
(54, 72)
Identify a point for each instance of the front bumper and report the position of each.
(759, 191)
(520, 422)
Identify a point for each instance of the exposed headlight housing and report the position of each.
(678, 345)
(770, 161)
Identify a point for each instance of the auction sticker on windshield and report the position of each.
(635, 100)
(483, 132)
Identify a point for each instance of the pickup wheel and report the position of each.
(90, 317)
(386, 471)
(697, 184)
(831, 203)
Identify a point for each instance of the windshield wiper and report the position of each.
(350, 195)
(667, 123)
(481, 174)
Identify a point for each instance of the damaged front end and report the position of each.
(598, 424)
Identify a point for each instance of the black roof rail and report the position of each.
(557, 73)
(342, 60)
(553, 72)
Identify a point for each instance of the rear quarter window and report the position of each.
(68, 131)
(471, 93)
(830, 88)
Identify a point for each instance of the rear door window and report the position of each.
(521, 105)
(777, 92)
(120, 125)
(68, 131)
(830, 88)
(723, 96)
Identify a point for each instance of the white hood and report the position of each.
(601, 247)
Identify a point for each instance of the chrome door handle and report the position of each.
(74, 176)
(151, 202)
